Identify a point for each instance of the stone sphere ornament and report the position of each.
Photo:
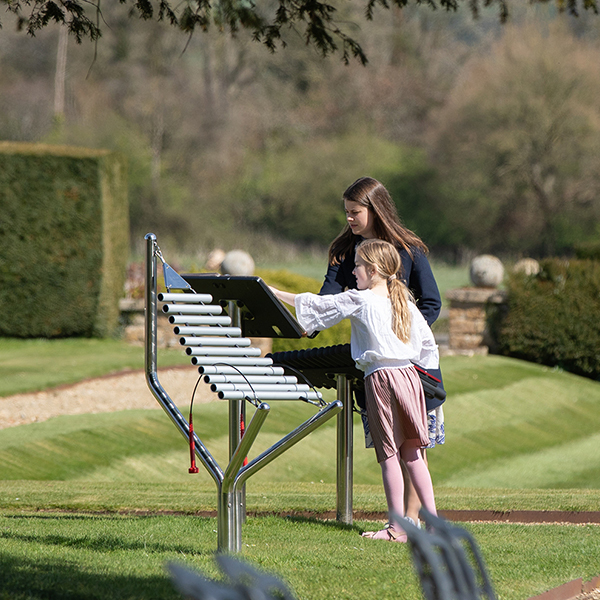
(486, 271)
(237, 262)
(215, 260)
(527, 266)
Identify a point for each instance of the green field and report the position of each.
(37, 364)
(83, 498)
(510, 424)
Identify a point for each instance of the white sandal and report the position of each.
(392, 535)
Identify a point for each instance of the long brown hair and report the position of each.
(386, 259)
(387, 226)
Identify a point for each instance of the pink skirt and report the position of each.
(396, 410)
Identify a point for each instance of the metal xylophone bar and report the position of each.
(217, 347)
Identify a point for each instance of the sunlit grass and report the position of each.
(124, 556)
(75, 492)
(37, 364)
(500, 434)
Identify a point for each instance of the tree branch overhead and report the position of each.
(315, 20)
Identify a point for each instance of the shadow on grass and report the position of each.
(48, 580)
(329, 524)
(100, 543)
(95, 542)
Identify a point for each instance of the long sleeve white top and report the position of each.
(374, 345)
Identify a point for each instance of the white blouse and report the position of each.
(374, 345)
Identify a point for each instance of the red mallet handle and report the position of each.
(193, 468)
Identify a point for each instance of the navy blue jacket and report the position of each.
(416, 273)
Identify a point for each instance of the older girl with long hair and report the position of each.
(371, 214)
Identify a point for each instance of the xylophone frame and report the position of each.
(230, 482)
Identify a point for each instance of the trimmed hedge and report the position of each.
(553, 318)
(290, 282)
(63, 240)
(588, 250)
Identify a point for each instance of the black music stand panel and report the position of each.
(263, 315)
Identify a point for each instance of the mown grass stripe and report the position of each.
(531, 412)
(465, 452)
(556, 467)
(37, 364)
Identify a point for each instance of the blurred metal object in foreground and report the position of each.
(448, 561)
(244, 582)
(446, 558)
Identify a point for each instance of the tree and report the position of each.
(315, 20)
(518, 144)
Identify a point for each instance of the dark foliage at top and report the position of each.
(316, 21)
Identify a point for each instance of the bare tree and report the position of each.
(518, 141)
(60, 77)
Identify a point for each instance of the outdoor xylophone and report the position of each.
(235, 372)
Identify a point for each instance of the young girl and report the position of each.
(388, 332)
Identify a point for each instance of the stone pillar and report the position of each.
(468, 333)
(132, 318)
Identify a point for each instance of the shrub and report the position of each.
(553, 317)
(63, 240)
(589, 250)
(290, 282)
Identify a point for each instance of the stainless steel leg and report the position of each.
(344, 451)
(237, 412)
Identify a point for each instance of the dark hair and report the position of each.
(387, 226)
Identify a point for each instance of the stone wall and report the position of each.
(468, 331)
(132, 317)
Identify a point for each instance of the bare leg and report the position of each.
(419, 474)
(393, 485)
(411, 498)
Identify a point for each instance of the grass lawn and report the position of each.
(37, 364)
(520, 437)
(510, 424)
(123, 556)
(514, 424)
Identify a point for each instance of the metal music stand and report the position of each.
(253, 307)
(251, 302)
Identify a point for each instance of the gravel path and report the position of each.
(119, 391)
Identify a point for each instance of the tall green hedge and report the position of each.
(63, 240)
(590, 249)
(553, 318)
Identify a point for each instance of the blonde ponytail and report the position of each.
(399, 298)
(385, 257)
